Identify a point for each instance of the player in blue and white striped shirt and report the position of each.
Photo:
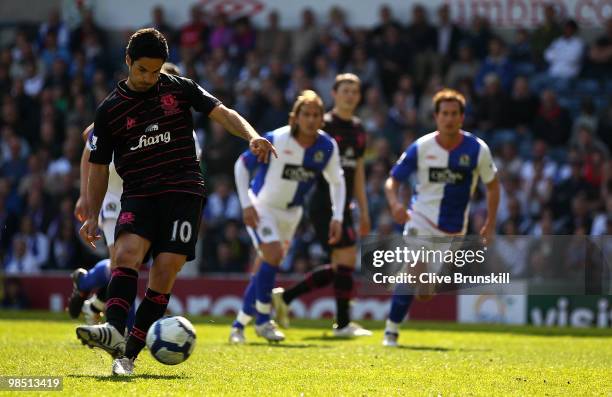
(447, 164)
(272, 202)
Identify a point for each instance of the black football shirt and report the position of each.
(351, 138)
(149, 136)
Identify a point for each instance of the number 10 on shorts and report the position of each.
(183, 229)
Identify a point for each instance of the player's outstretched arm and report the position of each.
(334, 175)
(237, 125)
(493, 193)
(80, 209)
(398, 211)
(242, 178)
(359, 190)
(96, 189)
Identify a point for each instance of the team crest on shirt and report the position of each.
(169, 104)
(464, 160)
(350, 152)
(318, 156)
(111, 207)
(266, 231)
(129, 123)
(92, 142)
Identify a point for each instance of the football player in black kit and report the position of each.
(346, 128)
(145, 125)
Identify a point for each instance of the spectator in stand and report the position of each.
(324, 79)
(523, 107)
(493, 106)
(304, 39)
(393, 56)
(275, 113)
(449, 35)
(568, 188)
(194, 34)
(546, 33)
(479, 36)
(337, 28)
(552, 123)
(223, 204)
(602, 219)
(55, 26)
(600, 54)
(272, 40)
(521, 53)
(243, 39)
(464, 67)
(364, 67)
(421, 43)
(508, 159)
(65, 248)
(21, 260)
(565, 54)
(222, 34)
(158, 21)
(15, 165)
(496, 62)
(386, 20)
(605, 125)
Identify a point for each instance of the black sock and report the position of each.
(101, 293)
(151, 309)
(318, 278)
(120, 295)
(343, 290)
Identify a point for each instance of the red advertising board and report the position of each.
(222, 295)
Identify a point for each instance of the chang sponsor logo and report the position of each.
(145, 141)
(446, 175)
(298, 173)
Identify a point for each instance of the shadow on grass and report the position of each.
(125, 379)
(439, 349)
(282, 345)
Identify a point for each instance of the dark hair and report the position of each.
(570, 23)
(147, 43)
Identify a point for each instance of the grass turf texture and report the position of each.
(434, 359)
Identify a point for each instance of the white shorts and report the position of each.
(111, 207)
(419, 226)
(275, 224)
(420, 233)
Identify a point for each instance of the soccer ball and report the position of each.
(171, 340)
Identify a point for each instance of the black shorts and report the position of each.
(170, 221)
(321, 217)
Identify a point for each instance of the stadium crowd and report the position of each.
(539, 98)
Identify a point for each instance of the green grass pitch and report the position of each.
(434, 359)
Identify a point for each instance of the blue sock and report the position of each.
(248, 302)
(97, 277)
(264, 282)
(399, 306)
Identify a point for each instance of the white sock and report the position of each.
(263, 308)
(243, 318)
(97, 303)
(392, 327)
